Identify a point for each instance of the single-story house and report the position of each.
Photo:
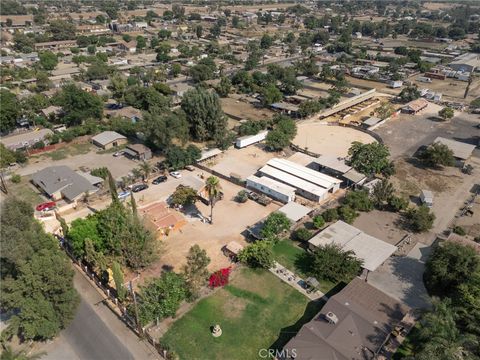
(159, 217)
(461, 151)
(52, 110)
(415, 106)
(109, 139)
(371, 250)
(138, 152)
(355, 324)
(128, 112)
(61, 182)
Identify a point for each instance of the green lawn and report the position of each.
(296, 259)
(252, 311)
(24, 190)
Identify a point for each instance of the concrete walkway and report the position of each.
(294, 281)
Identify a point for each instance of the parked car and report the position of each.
(46, 206)
(252, 196)
(190, 168)
(176, 174)
(139, 187)
(159, 180)
(118, 153)
(123, 195)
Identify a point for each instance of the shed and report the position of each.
(371, 121)
(294, 211)
(415, 106)
(109, 139)
(427, 197)
(461, 151)
(207, 154)
(232, 249)
(138, 152)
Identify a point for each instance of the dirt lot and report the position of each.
(241, 110)
(330, 140)
(452, 89)
(406, 133)
(471, 223)
(243, 162)
(380, 224)
(230, 220)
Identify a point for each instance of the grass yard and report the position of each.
(24, 190)
(69, 150)
(252, 311)
(297, 260)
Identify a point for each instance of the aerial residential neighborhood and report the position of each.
(240, 180)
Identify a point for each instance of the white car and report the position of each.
(176, 174)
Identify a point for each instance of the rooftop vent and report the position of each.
(331, 317)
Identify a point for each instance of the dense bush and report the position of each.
(318, 221)
(330, 215)
(302, 234)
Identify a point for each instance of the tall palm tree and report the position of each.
(9, 354)
(213, 188)
(146, 169)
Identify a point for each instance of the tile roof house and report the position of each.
(415, 106)
(354, 324)
(159, 217)
(62, 182)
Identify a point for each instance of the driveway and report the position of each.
(402, 277)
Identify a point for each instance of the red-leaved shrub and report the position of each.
(219, 278)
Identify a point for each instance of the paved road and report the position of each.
(96, 333)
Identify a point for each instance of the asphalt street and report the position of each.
(96, 333)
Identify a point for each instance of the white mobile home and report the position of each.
(272, 188)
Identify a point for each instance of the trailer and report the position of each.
(251, 139)
(424, 79)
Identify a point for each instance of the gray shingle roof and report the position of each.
(63, 179)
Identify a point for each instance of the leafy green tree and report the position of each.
(48, 60)
(274, 224)
(331, 263)
(318, 222)
(369, 158)
(446, 113)
(419, 219)
(119, 281)
(79, 105)
(258, 254)
(184, 195)
(141, 42)
(277, 140)
(61, 30)
(330, 215)
(98, 70)
(82, 229)
(146, 169)
(282, 134)
(440, 338)
(310, 107)
(147, 98)
(223, 88)
(266, 41)
(270, 95)
(397, 203)
(449, 266)
(385, 110)
(195, 270)
(409, 93)
(438, 154)
(358, 200)
(9, 110)
(37, 278)
(178, 158)
(347, 214)
(204, 114)
(213, 189)
(161, 129)
(161, 297)
(302, 234)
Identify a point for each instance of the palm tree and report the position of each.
(9, 354)
(213, 188)
(382, 192)
(146, 169)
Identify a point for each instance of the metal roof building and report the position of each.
(294, 211)
(461, 150)
(371, 250)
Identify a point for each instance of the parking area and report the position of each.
(118, 166)
(243, 162)
(328, 140)
(406, 133)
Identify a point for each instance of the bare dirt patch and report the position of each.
(234, 306)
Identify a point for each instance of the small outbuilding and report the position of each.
(138, 152)
(232, 249)
(294, 211)
(426, 196)
(415, 106)
(109, 139)
(461, 151)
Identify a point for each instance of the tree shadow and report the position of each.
(286, 333)
(303, 263)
